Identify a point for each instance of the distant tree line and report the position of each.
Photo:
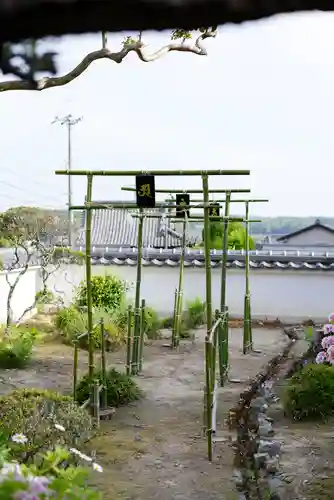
(285, 225)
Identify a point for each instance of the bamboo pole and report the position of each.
(191, 191)
(89, 278)
(223, 338)
(136, 335)
(104, 395)
(75, 368)
(180, 290)
(207, 253)
(208, 353)
(165, 173)
(142, 334)
(174, 318)
(129, 206)
(129, 342)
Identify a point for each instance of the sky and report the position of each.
(261, 100)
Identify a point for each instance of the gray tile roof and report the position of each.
(117, 227)
(235, 264)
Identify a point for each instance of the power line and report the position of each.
(9, 184)
(38, 183)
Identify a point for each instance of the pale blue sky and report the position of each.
(262, 99)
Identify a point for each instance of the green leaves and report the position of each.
(107, 292)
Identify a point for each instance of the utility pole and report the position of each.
(69, 121)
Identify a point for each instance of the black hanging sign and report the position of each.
(145, 191)
(214, 210)
(182, 200)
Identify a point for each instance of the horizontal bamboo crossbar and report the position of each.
(231, 201)
(191, 191)
(167, 173)
(222, 218)
(125, 206)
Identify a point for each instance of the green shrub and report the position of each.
(5, 242)
(44, 297)
(152, 322)
(1, 265)
(107, 292)
(35, 412)
(310, 393)
(71, 323)
(74, 256)
(121, 389)
(195, 313)
(16, 347)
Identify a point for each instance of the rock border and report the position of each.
(256, 455)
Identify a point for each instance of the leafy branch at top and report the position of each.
(32, 63)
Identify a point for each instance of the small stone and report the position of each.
(272, 465)
(272, 448)
(237, 477)
(266, 430)
(138, 437)
(241, 496)
(261, 460)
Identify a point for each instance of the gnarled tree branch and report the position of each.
(138, 47)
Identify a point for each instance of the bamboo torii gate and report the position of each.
(145, 199)
(247, 321)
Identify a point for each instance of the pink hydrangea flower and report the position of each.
(327, 341)
(321, 357)
(329, 328)
(330, 354)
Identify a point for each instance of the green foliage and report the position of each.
(72, 256)
(72, 322)
(37, 412)
(310, 393)
(29, 481)
(44, 297)
(195, 313)
(236, 236)
(5, 242)
(121, 389)
(1, 265)
(107, 292)
(16, 347)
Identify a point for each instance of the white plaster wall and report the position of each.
(288, 295)
(24, 293)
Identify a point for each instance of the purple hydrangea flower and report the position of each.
(329, 328)
(331, 318)
(327, 341)
(321, 357)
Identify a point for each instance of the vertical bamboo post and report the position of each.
(104, 395)
(136, 335)
(208, 294)
(174, 318)
(247, 336)
(129, 342)
(180, 294)
(208, 395)
(223, 337)
(75, 368)
(225, 356)
(142, 334)
(207, 254)
(96, 401)
(214, 347)
(89, 277)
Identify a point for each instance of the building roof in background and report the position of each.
(25, 19)
(317, 224)
(117, 227)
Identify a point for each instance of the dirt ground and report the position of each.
(154, 449)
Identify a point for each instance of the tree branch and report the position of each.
(138, 47)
